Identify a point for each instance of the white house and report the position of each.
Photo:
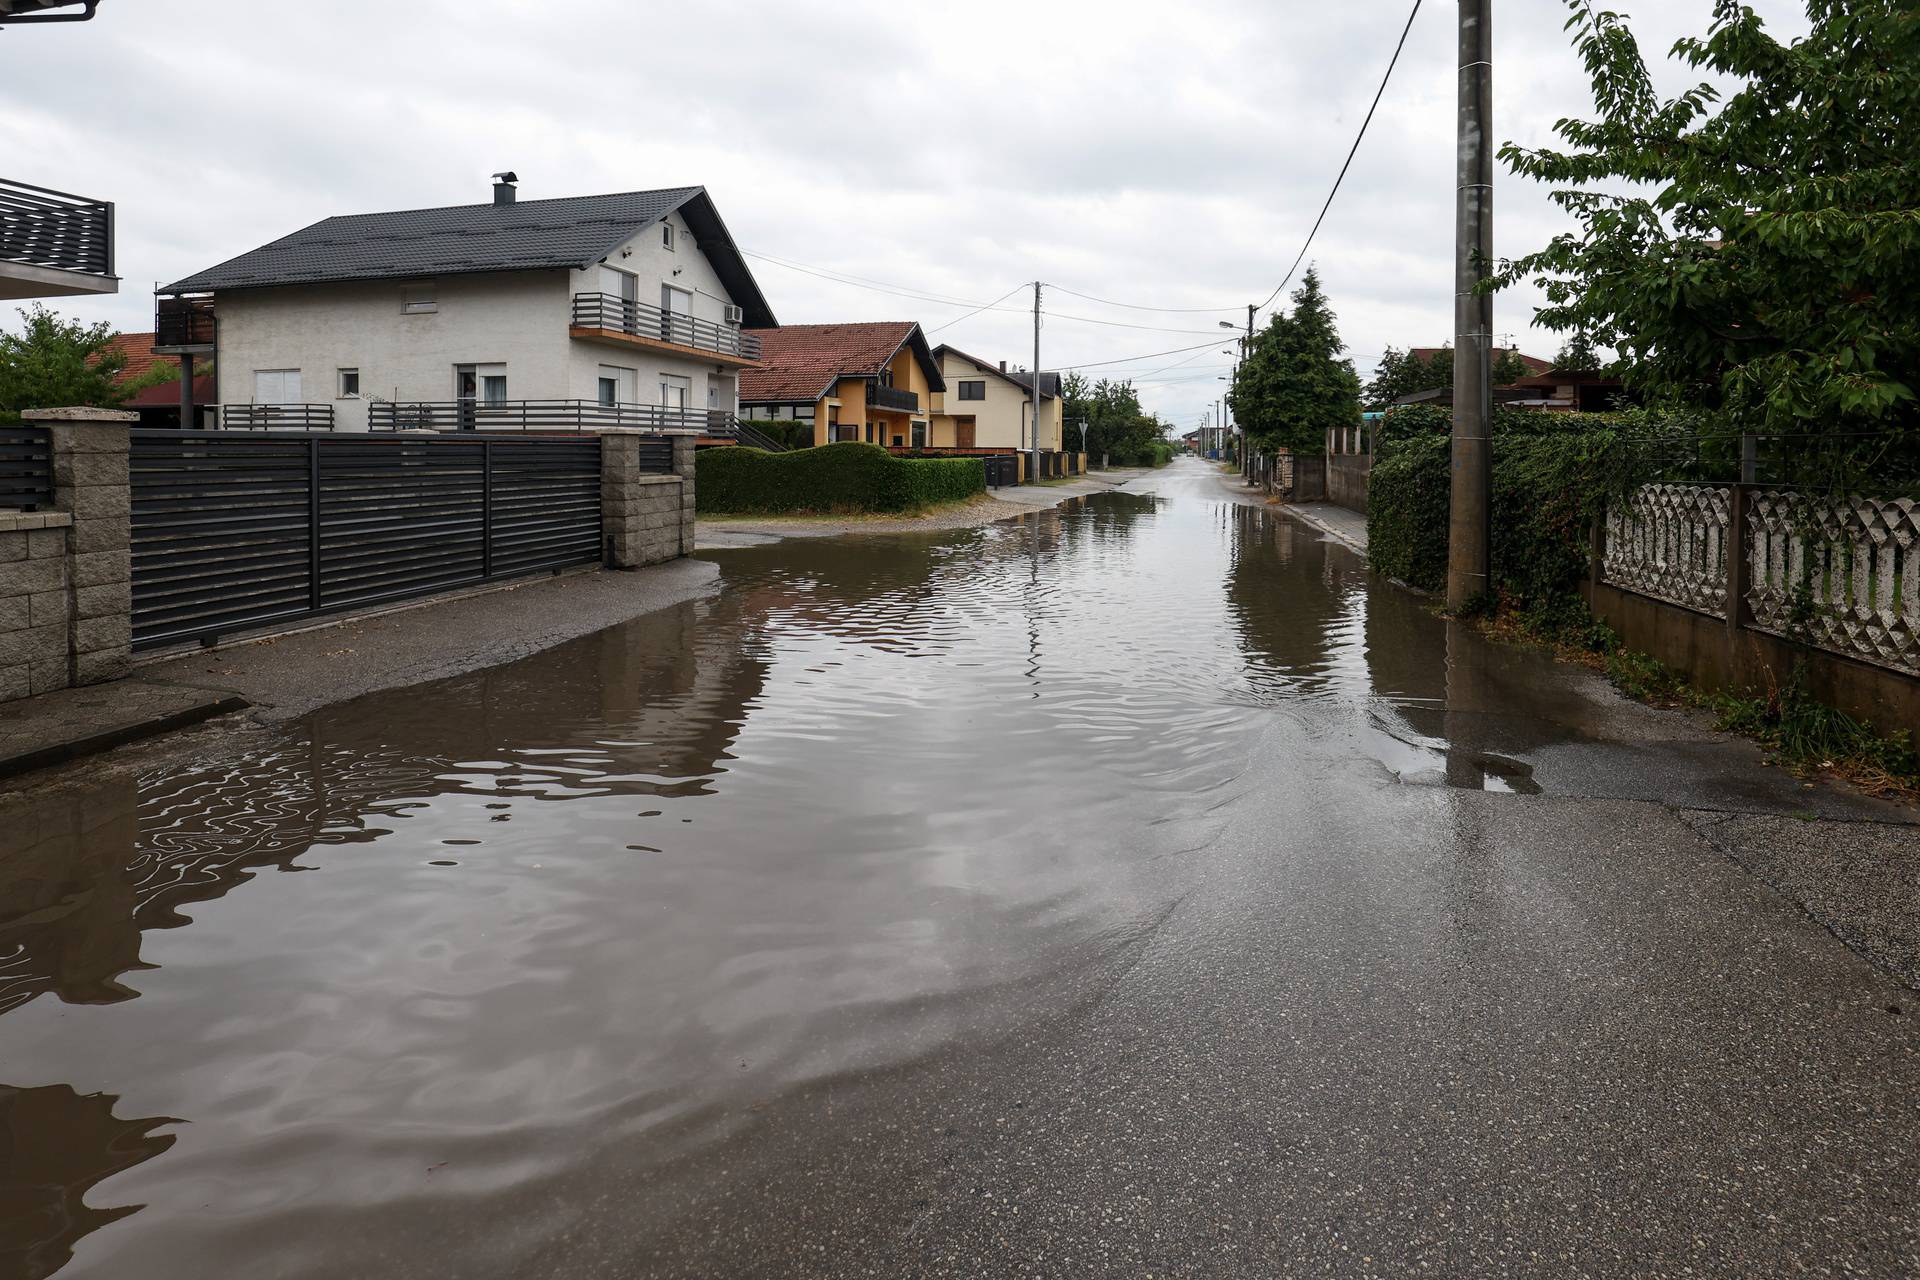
(582, 311)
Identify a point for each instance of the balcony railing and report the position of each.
(881, 397)
(183, 322)
(546, 415)
(617, 315)
(276, 417)
(44, 228)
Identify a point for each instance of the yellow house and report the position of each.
(874, 381)
(986, 407)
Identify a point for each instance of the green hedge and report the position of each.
(848, 476)
(1552, 476)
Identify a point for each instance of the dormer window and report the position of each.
(666, 236)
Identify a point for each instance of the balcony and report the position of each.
(54, 245)
(882, 397)
(547, 415)
(608, 317)
(276, 417)
(183, 325)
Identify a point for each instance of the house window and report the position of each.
(919, 435)
(803, 413)
(609, 392)
(276, 386)
(869, 433)
(974, 390)
(349, 383)
(419, 299)
(615, 385)
(899, 441)
(886, 377)
(666, 236)
(493, 389)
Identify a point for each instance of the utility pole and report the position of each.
(1033, 461)
(1469, 527)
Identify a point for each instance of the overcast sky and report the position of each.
(1148, 153)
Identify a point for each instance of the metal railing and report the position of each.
(26, 468)
(618, 315)
(754, 438)
(546, 415)
(40, 227)
(881, 397)
(183, 322)
(276, 417)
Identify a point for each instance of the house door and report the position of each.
(676, 395)
(466, 393)
(963, 433)
(624, 286)
(676, 319)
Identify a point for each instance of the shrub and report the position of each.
(792, 435)
(1407, 511)
(847, 476)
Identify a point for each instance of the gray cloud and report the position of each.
(1172, 155)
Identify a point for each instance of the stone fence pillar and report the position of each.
(66, 593)
(646, 516)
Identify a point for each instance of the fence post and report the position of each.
(1739, 561)
(1597, 549)
(486, 508)
(313, 522)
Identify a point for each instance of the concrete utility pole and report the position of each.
(1033, 462)
(1469, 528)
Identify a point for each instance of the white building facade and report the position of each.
(593, 310)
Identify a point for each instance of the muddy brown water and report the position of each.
(380, 995)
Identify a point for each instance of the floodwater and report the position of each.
(445, 981)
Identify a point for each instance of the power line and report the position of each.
(900, 291)
(1134, 306)
(1151, 355)
(977, 310)
(1393, 62)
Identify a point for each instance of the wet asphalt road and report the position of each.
(1136, 890)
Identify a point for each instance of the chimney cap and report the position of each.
(506, 175)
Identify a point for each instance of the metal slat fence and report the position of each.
(26, 468)
(233, 532)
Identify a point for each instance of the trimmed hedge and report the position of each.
(848, 476)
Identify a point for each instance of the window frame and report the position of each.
(667, 237)
(420, 298)
(341, 391)
(977, 385)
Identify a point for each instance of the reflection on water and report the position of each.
(54, 1146)
(874, 796)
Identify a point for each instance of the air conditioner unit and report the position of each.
(734, 314)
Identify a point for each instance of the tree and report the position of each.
(53, 362)
(1116, 426)
(1578, 352)
(1294, 384)
(1761, 262)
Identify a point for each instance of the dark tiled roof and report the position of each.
(527, 235)
(801, 362)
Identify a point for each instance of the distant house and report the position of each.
(1573, 391)
(158, 404)
(1535, 365)
(872, 381)
(624, 309)
(986, 407)
(1506, 394)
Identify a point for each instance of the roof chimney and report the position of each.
(1003, 366)
(503, 189)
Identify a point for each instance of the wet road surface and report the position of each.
(1130, 889)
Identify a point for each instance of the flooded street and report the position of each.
(1133, 887)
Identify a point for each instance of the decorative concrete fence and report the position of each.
(1841, 575)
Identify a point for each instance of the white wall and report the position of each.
(519, 319)
(997, 418)
(514, 318)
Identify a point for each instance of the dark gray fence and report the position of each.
(235, 531)
(26, 468)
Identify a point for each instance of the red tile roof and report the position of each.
(800, 362)
(1534, 363)
(138, 348)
